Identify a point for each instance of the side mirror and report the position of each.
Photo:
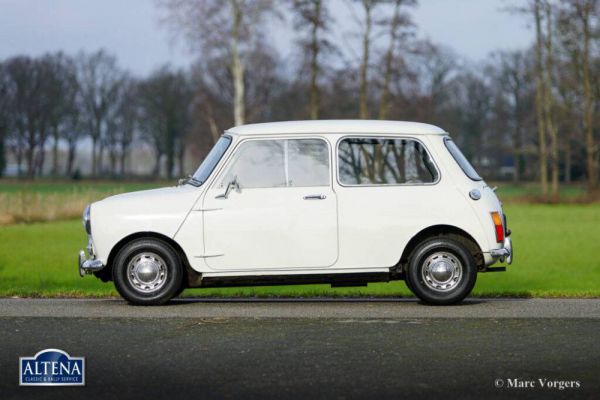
(231, 185)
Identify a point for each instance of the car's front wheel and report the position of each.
(441, 271)
(147, 272)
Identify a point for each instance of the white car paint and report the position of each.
(273, 231)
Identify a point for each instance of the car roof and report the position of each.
(337, 127)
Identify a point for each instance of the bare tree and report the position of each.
(585, 10)
(4, 116)
(540, 96)
(165, 99)
(438, 67)
(100, 80)
(27, 82)
(512, 73)
(72, 133)
(368, 6)
(547, 80)
(474, 101)
(397, 22)
(63, 89)
(216, 27)
(121, 127)
(312, 15)
(209, 107)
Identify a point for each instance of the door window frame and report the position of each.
(230, 158)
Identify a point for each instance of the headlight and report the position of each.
(87, 223)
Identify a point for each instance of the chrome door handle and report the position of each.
(315, 197)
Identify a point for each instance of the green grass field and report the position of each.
(555, 248)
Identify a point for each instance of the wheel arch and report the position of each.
(106, 273)
(450, 231)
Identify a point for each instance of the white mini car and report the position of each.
(338, 202)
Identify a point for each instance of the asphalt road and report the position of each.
(310, 349)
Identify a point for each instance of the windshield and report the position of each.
(465, 165)
(212, 159)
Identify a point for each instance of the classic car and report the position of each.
(340, 202)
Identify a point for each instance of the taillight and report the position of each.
(498, 226)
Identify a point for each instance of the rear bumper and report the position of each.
(505, 253)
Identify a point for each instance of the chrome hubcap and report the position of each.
(442, 271)
(147, 272)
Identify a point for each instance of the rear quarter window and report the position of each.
(384, 161)
(460, 158)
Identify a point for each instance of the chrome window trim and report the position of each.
(375, 136)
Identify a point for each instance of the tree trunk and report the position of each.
(156, 171)
(19, 159)
(113, 163)
(181, 158)
(94, 165)
(214, 130)
(549, 103)
(40, 159)
(568, 161)
(314, 63)
(389, 58)
(30, 158)
(237, 66)
(539, 99)
(71, 157)
(55, 151)
(210, 120)
(2, 156)
(170, 161)
(122, 161)
(517, 153)
(100, 161)
(588, 107)
(363, 111)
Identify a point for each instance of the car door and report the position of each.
(272, 207)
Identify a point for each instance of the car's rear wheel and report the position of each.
(147, 272)
(441, 271)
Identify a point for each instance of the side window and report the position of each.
(384, 161)
(280, 163)
(257, 164)
(308, 162)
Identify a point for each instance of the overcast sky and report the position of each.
(131, 29)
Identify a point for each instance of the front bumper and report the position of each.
(505, 253)
(88, 266)
(91, 264)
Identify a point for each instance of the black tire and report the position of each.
(161, 254)
(181, 289)
(445, 252)
(407, 283)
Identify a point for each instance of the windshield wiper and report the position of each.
(189, 180)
